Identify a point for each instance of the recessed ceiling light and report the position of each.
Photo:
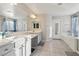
(13, 3)
(59, 3)
(8, 11)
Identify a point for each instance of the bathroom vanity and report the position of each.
(24, 42)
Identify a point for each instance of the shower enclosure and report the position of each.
(75, 29)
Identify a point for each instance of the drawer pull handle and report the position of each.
(14, 45)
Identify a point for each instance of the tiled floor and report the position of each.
(52, 48)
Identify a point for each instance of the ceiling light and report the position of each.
(8, 11)
(59, 3)
(13, 3)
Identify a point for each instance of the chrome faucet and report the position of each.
(33, 30)
(3, 34)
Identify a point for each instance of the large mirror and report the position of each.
(9, 25)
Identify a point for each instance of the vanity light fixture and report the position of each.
(33, 16)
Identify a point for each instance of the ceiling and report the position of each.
(54, 8)
(6, 9)
(43, 8)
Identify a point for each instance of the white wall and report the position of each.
(46, 25)
(49, 26)
(43, 25)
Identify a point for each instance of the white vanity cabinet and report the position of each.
(20, 46)
(39, 37)
(23, 46)
(28, 46)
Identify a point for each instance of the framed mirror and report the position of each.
(35, 25)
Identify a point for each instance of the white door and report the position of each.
(57, 30)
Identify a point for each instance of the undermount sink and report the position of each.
(33, 33)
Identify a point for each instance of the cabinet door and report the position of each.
(21, 51)
(39, 38)
(34, 42)
(28, 47)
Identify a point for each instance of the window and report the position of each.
(9, 25)
(74, 25)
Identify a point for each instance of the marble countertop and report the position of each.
(34, 32)
(15, 35)
(24, 34)
(4, 42)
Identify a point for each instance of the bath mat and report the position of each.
(68, 53)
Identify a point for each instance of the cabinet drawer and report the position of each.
(5, 49)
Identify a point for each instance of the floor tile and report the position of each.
(52, 48)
